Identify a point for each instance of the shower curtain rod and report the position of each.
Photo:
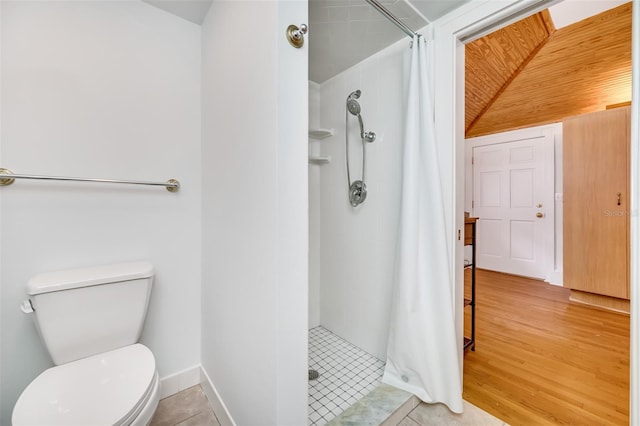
(398, 23)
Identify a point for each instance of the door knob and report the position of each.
(539, 214)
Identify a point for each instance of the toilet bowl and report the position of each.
(119, 387)
(102, 377)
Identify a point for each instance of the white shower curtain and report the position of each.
(422, 354)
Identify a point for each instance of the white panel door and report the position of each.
(513, 199)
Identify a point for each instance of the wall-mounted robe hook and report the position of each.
(295, 35)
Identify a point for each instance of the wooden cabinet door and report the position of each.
(596, 205)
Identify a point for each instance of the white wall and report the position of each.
(100, 89)
(2, 409)
(255, 211)
(315, 147)
(358, 244)
(556, 277)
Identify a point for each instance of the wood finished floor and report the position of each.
(541, 359)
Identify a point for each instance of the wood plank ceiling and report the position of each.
(530, 74)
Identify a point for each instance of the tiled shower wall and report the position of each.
(357, 245)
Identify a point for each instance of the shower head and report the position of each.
(353, 106)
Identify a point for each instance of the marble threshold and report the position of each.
(390, 406)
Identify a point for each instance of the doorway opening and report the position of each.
(542, 369)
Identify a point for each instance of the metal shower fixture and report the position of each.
(353, 106)
(357, 188)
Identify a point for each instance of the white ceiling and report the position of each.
(341, 32)
(571, 11)
(345, 32)
(191, 10)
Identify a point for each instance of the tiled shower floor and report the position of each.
(347, 373)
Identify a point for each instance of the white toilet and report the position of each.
(90, 320)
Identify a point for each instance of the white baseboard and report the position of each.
(174, 383)
(555, 278)
(216, 402)
(196, 375)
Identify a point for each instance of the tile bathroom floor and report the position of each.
(346, 374)
(191, 408)
(439, 415)
(187, 408)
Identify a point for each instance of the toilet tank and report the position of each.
(83, 312)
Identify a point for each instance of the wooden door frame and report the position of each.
(471, 21)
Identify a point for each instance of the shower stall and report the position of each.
(351, 247)
(352, 241)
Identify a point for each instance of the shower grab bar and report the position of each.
(7, 177)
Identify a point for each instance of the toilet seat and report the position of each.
(110, 388)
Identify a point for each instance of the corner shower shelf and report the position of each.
(319, 159)
(320, 133)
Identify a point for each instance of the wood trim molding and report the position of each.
(548, 21)
(600, 301)
(621, 104)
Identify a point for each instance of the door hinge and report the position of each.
(473, 204)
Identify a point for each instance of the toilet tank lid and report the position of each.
(74, 278)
